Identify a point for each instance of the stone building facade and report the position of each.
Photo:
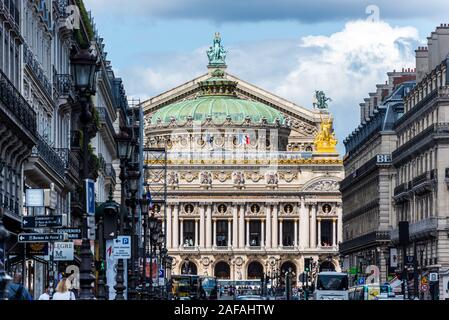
(248, 188)
(369, 173)
(420, 159)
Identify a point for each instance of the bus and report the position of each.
(331, 285)
(194, 287)
(373, 291)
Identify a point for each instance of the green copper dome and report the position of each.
(219, 101)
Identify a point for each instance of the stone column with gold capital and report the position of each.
(313, 226)
(303, 225)
(169, 226)
(242, 226)
(275, 227)
(209, 226)
(339, 223)
(175, 226)
(202, 226)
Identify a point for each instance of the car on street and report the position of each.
(250, 297)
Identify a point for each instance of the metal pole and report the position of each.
(144, 269)
(86, 276)
(151, 268)
(101, 275)
(404, 271)
(4, 277)
(120, 287)
(415, 272)
(131, 273)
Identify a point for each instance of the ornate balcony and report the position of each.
(104, 118)
(61, 7)
(10, 12)
(63, 85)
(369, 239)
(49, 156)
(30, 60)
(17, 105)
(418, 230)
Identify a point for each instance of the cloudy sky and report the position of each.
(288, 47)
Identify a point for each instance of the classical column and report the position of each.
(303, 225)
(319, 231)
(209, 226)
(228, 243)
(295, 243)
(334, 232)
(235, 224)
(196, 233)
(275, 226)
(247, 232)
(281, 238)
(215, 233)
(202, 227)
(268, 233)
(339, 223)
(175, 226)
(242, 226)
(169, 227)
(262, 236)
(181, 234)
(313, 224)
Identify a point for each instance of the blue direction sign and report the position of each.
(42, 222)
(161, 273)
(40, 237)
(90, 196)
(72, 233)
(361, 281)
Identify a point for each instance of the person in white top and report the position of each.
(63, 292)
(46, 294)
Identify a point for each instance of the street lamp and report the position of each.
(124, 152)
(133, 179)
(153, 225)
(84, 66)
(144, 206)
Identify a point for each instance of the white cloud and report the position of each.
(347, 65)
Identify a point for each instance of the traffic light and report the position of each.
(307, 264)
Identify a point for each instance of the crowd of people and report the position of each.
(64, 291)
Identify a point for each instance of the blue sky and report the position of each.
(288, 47)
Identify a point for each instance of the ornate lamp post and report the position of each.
(4, 277)
(144, 206)
(133, 178)
(154, 236)
(84, 66)
(124, 150)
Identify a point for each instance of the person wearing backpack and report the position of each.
(16, 290)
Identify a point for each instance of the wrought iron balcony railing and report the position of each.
(11, 11)
(104, 117)
(16, 103)
(418, 229)
(63, 84)
(49, 155)
(30, 60)
(61, 6)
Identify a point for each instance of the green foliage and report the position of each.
(84, 39)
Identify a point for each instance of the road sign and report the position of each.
(91, 227)
(42, 222)
(34, 197)
(122, 247)
(37, 249)
(40, 237)
(424, 288)
(90, 196)
(361, 281)
(161, 273)
(410, 260)
(72, 233)
(63, 251)
(433, 277)
(424, 280)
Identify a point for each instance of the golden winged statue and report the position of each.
(325, 141)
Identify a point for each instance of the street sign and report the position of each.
(37, 249)
(91, 227)
(393, 258)
(410, 260)
(353, 270)
(424, 288)
(161, 273)
(72, 233)
(433, 277)
(63, 251)
(90, 196)
(40, 237)
(361, 281)
(34, 197)
(42, 222)
(122, 247)
(424, 280)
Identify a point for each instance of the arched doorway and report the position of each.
(289, 266)
(188, 267)
(222, 270)
(255, 270)
(327, 266)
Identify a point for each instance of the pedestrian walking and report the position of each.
(63, 292)
(46, 294)
(17, 291)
